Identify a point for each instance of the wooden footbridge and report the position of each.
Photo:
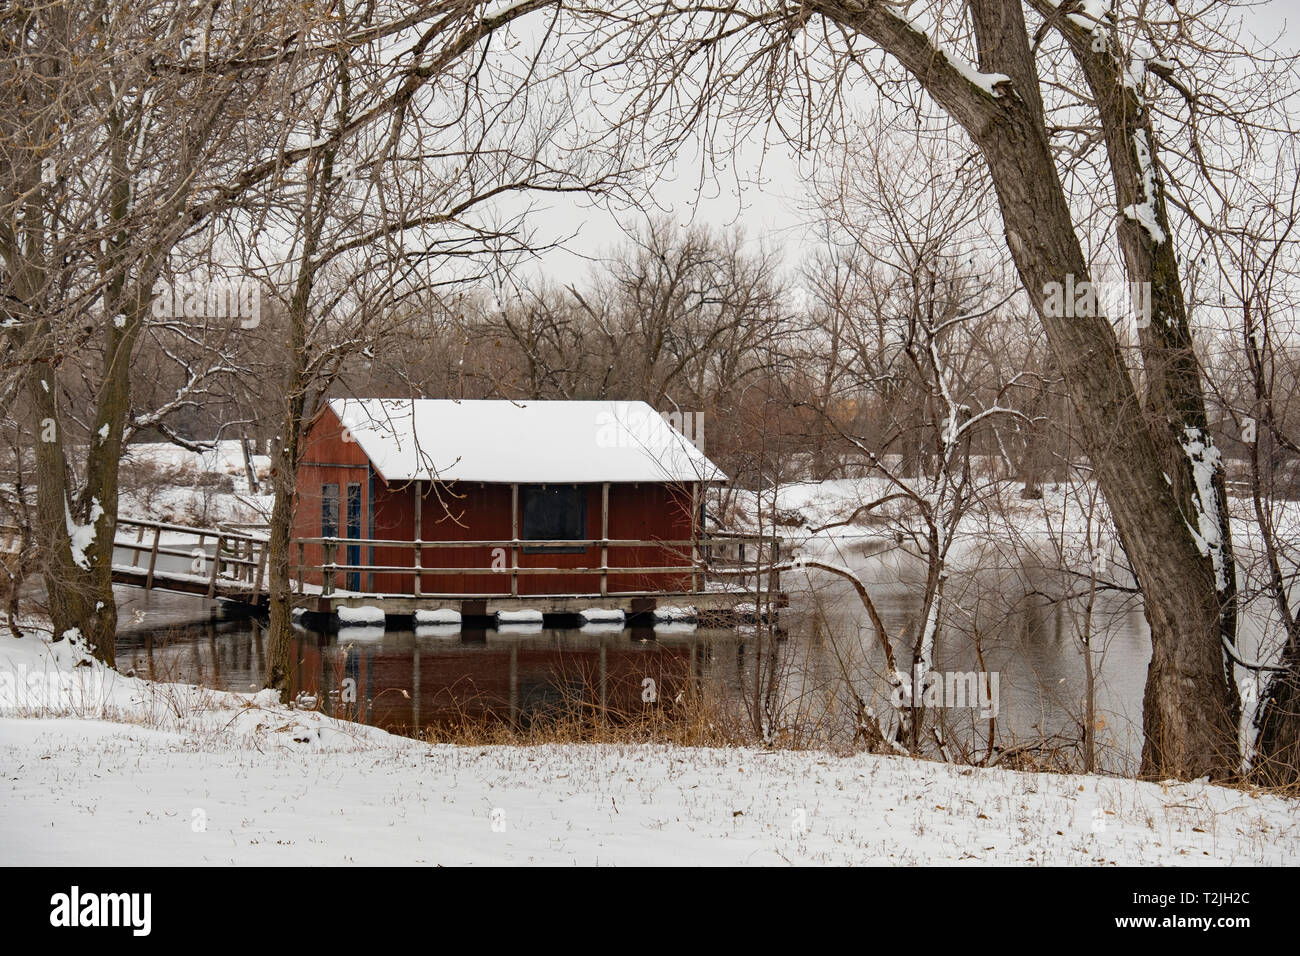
(224, 562)
(214, 563)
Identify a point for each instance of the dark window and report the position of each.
(329, 511)
(553, 513)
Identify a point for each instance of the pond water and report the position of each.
(1023, 651)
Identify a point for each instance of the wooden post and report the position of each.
(695, 536)
(301, 561)
(327, 567)
(514, 540)
(216, 566)
(419, 532)
(135, 552)
(153, 558)
(604, 548)
(261, 571)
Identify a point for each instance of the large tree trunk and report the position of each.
(289, 452)
(279, 665)
(73, 586)
(1174, 399)
(125, 307)
(68, 597)
(1188, 710)
(76, 532)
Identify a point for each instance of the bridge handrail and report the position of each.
(706, 541)
(185, 529)
(703, 560)
(247, 555)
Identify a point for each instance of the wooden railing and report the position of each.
(237, 566)
(720, 555)
(238, 558)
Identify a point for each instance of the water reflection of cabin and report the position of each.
(405, 681)
(502, 500)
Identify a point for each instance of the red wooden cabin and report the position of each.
(532, 484)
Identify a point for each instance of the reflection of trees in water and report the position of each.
(996, 621)
(225, 654)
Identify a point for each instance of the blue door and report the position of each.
(354, 531)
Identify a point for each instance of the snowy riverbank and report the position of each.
(125, 771)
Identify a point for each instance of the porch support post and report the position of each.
(514, 540)
(419, 533)
(695, 536)
(604, 546)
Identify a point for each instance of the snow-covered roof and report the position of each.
(534, 442)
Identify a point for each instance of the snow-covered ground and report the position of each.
(124, 771)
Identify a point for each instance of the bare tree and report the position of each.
(927, 289)
(1246, 288)
(391, 198)
(1013, 76)
(129, 121)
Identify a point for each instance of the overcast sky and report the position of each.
(770, 207)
